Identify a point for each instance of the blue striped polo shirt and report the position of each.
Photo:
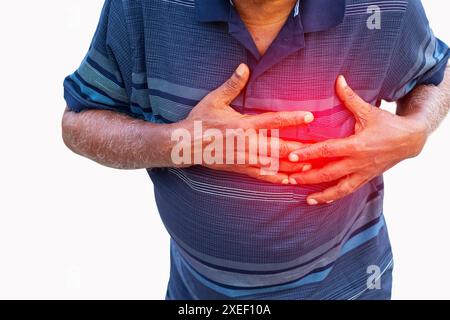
(234, 237)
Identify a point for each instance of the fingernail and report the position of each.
(240, 70)
(306, 167)
(344, 82)
(292, 181)
(285, 181)
(312, 202)
(294, 157)
(309, 117)
(331, 201)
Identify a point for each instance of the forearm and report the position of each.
(427, 104)
(116, 140)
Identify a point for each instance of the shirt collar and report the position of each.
(316, 15)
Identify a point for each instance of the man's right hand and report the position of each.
(119, 141)
(214, 112)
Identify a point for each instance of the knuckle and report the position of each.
(286, 118)
(277, 120)
(344, 189)
(351, 95)
(326, 177)
(354, 146)
(244, 123)
(325, 151)
(369, 109)
(283, 149)
(233, 83)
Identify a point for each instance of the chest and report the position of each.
(183, 60)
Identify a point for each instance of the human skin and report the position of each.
(122, 142)
(264, 26)
(381, 139)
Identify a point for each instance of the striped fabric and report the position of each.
(234, 237)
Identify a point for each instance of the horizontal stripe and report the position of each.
(367, 11)
(381, 7)
(76, 100)
(91, 93)
(191, 96)
(349, 289)
(409, 80)
(105, 72)
(382, 273)
(164, 94)
(243, 278)
(372, 204)
(141, 98)
(139, 78)
(380, 3)
(361, 13)
(169, 110)
(94, 93)
(189, 93)
(235, 192)
(171, 97)
(95, 79)
(362, 237)
(106, 63)
(185, 3)
(317, 275)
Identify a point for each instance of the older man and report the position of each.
(312, 230)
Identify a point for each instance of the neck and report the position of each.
(264, 12)
(264, 19)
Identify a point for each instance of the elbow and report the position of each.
(69, 130)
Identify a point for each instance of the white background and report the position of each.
(70, 228)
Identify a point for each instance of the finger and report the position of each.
(231, 88)
(267, 146)
(275, 177)
(344, 188)
(350, 99)
(277, 148)
(293, 168)
(326, 149)
(275, 120)
(254, 159)
(330, 172)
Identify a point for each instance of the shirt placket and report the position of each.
(290, 40)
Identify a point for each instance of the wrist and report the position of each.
(419, 132)
(180, 136)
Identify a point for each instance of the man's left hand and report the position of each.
(381, 140)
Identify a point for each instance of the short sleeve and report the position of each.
(101, 81)
(418, 57)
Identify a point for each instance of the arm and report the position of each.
(381, 139)
(119, 141)
(116, 140)
(427, 104)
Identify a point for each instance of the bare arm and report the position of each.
(381, 139)
(428, 104)
(116, 140)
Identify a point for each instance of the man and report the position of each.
(315, 228)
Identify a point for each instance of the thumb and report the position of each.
(350, 99)
(231, 88)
